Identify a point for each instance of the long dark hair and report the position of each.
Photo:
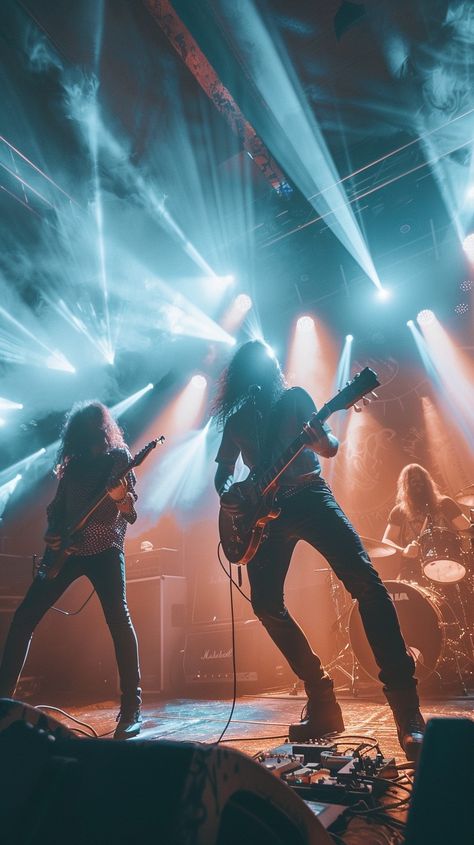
(253, 363)
(429, 498)
(75, 434)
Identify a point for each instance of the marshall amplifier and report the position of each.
(208, 657)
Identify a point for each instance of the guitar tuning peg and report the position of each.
(357, 409)
(366, 400)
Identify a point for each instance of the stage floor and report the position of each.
(259, 722)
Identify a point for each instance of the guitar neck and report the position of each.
(92, 507)
(272, 474)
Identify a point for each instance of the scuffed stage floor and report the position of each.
(259, 722)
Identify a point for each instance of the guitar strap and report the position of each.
(269, 435)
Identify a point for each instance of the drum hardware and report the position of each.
(345, 661)
(431, 631)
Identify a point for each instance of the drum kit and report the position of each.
(435, 606)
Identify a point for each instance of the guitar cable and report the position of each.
(234, 665)
(229, 574)
(58, 609)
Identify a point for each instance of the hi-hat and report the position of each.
(377, 548)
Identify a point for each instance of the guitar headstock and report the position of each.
(362, 384)
(143, 453)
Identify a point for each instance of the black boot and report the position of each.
(410, 724)
(321, 715)
(129, 723)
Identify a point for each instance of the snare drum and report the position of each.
(422, 615)
(442, 556)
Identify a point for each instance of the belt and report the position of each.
(289, 492)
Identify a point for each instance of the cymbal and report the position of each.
(377, 548)
(466, 495)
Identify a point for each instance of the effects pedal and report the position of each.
(318, 773)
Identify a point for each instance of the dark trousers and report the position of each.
(314, 515)
(106, 571)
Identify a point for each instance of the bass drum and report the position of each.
(420, 612)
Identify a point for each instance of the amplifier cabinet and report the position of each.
(157, 606)
(208, 657)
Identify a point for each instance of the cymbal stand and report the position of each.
(345, 656)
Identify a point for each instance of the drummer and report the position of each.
(419, 502)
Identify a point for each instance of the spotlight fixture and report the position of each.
(243, 302)
(466, 285)
(383, 293)
(199, 381)
(410, 324)
(461, 308)
(349, 338)
(305, 323)
(425, 317)
(468, 246)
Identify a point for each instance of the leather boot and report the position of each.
(129, 723)
(320, 716)
(405, 707)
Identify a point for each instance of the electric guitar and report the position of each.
(53, 560)
(243, 530)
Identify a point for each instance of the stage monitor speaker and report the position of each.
(441, 808)
(97, 792)
(158, 610)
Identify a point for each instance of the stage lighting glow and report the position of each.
(2, 421)
(305, 323)
(383, 294)
(125, 404)
(6, 490)
(58, 361)
(8, 405)
(461, 308)
(468, 246)
(466, 285)
(470, 193)
(199, 381)
(349, 337)
(226, 281)
(425, 317)
(243, 302)
(24, 465)
(410, 324)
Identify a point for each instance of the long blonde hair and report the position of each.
(429, 499)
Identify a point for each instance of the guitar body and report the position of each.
(242, 532)
(53, 561)
(248, 507)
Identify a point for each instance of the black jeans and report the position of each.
(314, 515)
(106, 571)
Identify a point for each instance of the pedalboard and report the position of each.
(318, 773)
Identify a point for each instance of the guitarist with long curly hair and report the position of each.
(259, 419)
(91, 454)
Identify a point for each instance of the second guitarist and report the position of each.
(92, 451)
(260, 418)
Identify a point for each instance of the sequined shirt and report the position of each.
(83, 480)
